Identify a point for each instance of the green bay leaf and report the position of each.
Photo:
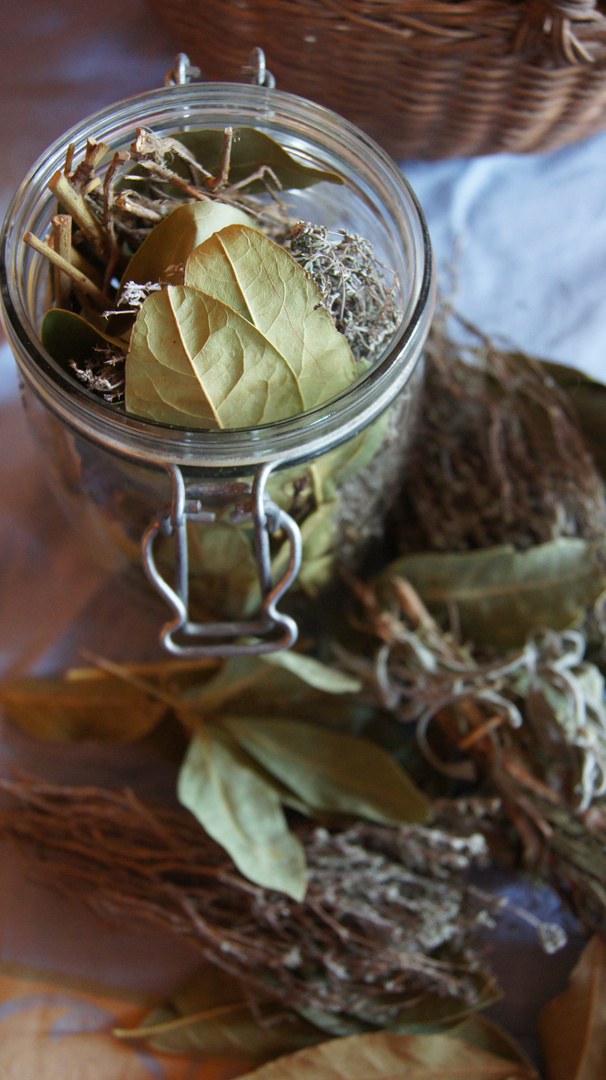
(67, 336)
(171, 241)
(314, 673)
(98, 708)
(242, 812)
(331, 771)
(252, 149)
(502, 594)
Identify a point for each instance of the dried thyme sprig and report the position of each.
(387, 917)
(360, 294)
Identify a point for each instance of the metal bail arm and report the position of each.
(271, 630)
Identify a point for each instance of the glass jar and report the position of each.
(216, 518)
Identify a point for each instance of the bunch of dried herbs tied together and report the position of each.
(184, 292)
(338, 804)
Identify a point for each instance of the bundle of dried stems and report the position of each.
(387, 917)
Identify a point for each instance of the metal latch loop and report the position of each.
(271, 630)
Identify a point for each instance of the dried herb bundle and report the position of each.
(499, 457)
(385, 931)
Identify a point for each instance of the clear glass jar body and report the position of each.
(110, 469)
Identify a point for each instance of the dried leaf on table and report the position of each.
(286, 687)
(104, 709)
(314, 673)
(501, 594)
(573, 1026)
(209, 1017)
(485, 1034)
(385, 1055)
(241, 811)
(330, 770)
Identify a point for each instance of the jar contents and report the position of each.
(183, 292)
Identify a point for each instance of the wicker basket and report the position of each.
(425, 78)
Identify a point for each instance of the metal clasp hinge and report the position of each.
(185, 72)
(270, 630)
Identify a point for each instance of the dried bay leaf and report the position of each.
(485, 1034)
(251, 685)
(329, 770)
(262, 282)
(172, 240)
(313, 672)
(242, 343)
(195, 362)
(572, 1027)
(251, 150)
(502, 594)
(67, 336)
(387, 1056)
(223, 566)
(318, 535)
(242, 812)
(209, 1018)
(66, 710)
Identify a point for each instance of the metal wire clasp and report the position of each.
(183, 72)
(270, 630)
(257, 71)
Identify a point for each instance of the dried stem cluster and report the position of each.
(387, 917)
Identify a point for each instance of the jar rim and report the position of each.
(302, 436)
